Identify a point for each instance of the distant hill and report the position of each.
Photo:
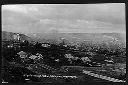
(109, 39)
(72, 38)
(6, 36)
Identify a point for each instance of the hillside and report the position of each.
(7, 36)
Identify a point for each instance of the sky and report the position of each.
(64, 18)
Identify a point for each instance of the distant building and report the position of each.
(45, 45)
(16, 37)
(16, 43)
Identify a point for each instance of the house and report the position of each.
(16, 37)
(109, 61)
(69, 56)
(33, 57)
(45, 45)
(39, 56)
(57, 60)
(85, 59)
(22, 54)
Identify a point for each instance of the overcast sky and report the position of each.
(85, 18)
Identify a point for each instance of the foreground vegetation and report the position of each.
(29, 57)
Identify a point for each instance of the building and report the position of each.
(22, 54)
(69, 56)
(33, 57)
(45, 45)
(16, 37)
(85, 59)
(109, 61)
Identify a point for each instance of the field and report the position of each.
(117, 71)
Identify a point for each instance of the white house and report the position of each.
(22, 54)
(85, 59)
(45, 45)
(39, 56)
(33, 57)
(109, 61)
(69, 56)
(16, 37)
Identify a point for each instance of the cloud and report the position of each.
(113, 13)
(16, 8)
(64, 17)
(47, 21)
